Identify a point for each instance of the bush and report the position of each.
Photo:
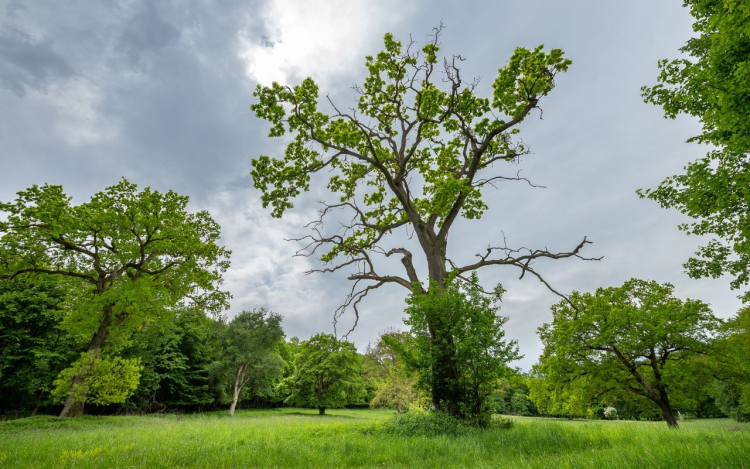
(502, 423)
(425, 423)
(610, 413)
(432, 423)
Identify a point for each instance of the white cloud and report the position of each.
(319, 38)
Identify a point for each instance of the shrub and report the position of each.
(425, 423)
(610, 413)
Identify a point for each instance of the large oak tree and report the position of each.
(132, 253)
(412, 158)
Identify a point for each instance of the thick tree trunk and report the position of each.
(666, 408)
(666, 411)
(73, 406)
(321, 410)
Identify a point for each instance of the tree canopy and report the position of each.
(250, 356)
(713, 84)
(634, 338)
(417, 152)
(327, 373)
(396, 386)
(130, 253)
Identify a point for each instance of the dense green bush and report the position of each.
(425, 423)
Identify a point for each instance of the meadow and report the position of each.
(351, 438)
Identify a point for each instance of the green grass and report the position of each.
(345, 438)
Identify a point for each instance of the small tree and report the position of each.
(478, 349)
(250, 356)
(636, 337)
(132, 254)
(327, 373)
(397, 387)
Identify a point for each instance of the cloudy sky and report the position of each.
(159, 92)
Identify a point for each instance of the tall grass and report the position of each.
(349, 438)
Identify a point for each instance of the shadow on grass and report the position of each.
(45, 422)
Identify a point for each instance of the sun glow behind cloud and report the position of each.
(319, 38)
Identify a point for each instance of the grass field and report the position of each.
(345, 438)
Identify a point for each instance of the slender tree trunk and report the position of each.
(239, 376)
(73, 406)
(321, 410)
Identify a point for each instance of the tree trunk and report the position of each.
(239, 376)
(235, 398)
(321, 410)
(669, 416)
(666, 409)
(445, 393)
(73, 406)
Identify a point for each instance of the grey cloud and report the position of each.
(29, 63)
(146, 32)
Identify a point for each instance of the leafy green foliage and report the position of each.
(139, 252)
(33, 348)
(108, 380)
(367, 158)
(396, 383)
(131, 255)
(176, 352)
(713, 85)
(636, 338)
(429, 423)
(250, 360)
(476, 349)
(731, 365)
(327, 374)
